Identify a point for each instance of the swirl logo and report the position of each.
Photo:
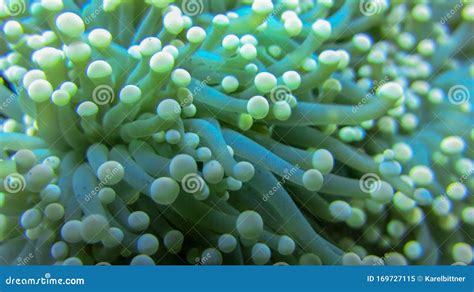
(458, 94)
(280, 92)
(369, 182)
(192, 7)
(192, 183)
(103, 94)
(14, 7)
(370, 7)
(14, 183)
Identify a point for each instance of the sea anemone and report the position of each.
(236, 132)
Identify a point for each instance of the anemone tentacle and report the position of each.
(236, 132)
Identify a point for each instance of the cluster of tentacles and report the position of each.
(236, 132)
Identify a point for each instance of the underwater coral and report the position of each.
(235, 132)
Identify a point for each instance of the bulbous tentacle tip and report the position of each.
(249, 224)
(235, 134)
